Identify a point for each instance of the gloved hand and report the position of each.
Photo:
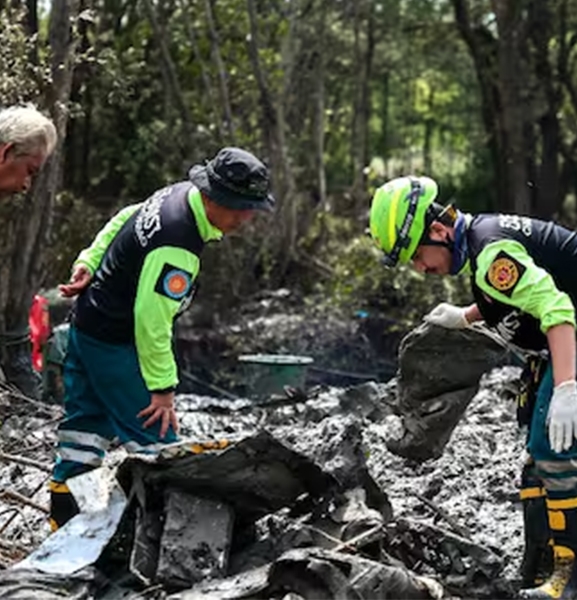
(562, 416)
(447, 315)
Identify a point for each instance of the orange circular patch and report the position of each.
(503, 274)
(177, 284)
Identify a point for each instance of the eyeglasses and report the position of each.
(403, 239)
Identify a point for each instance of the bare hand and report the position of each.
(79, 279)
(161, 407)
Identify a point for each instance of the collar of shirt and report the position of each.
(207, 230)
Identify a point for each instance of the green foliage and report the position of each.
(360, 282)
(131, 133)
(75, 225)
(136, 136)
(22, 80)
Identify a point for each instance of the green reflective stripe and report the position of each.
(154, 314)
(535, 293)
(466, 268)
(90, 257)
(207, 230)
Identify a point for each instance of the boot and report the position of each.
(537, 563)
(17, 367)
(62, 505)
(562, 583)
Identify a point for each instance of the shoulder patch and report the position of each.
(173, 282)
(504, 273)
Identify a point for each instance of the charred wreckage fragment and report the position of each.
(256, 516)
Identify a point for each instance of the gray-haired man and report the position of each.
(27, 138)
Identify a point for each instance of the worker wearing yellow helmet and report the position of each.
(404, 221)
(524, 282)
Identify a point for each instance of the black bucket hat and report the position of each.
(236, 179)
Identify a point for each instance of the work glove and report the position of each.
(562, 416)
(447, 315)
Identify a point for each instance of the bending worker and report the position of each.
(524, 282)
(133, 281)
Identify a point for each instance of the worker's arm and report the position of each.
(473, 314)
(509, 275)
(90, 257)
(506, 273)
(165, 281)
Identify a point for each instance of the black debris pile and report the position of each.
(305, 496)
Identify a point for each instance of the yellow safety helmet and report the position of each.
(398, 217)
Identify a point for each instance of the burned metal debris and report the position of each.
(193, 508)
(439, 373)
(318, 573)
(295, 498)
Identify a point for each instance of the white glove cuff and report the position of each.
(464, 321)
(568, 385)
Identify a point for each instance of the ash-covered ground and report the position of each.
(474, 482)
(471, 488)
(476, 479)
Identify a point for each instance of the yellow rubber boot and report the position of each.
(562, 583)
(537, 563)
(62, 505)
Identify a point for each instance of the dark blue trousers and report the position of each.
(558, 472)
(104, 391)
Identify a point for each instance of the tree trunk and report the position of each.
(171, 75)
(32, 28)
(566, 80)
(319, 133)
(384, 133)
(548, 196)
(222, 77)
(483, 48)
(273, 124)
(30, 224)
(513, 77)
(363, 60)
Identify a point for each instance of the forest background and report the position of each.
(336, 96)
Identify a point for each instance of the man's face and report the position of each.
(16, 172)
(226, 219)
(434, 260)
(232, 220)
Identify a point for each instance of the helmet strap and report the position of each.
(446, 243)
(457, 246)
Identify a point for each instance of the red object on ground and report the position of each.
(39, 323)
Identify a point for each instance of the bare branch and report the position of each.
(14, 496)
(22, 460)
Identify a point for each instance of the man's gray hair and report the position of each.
(28, 129)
